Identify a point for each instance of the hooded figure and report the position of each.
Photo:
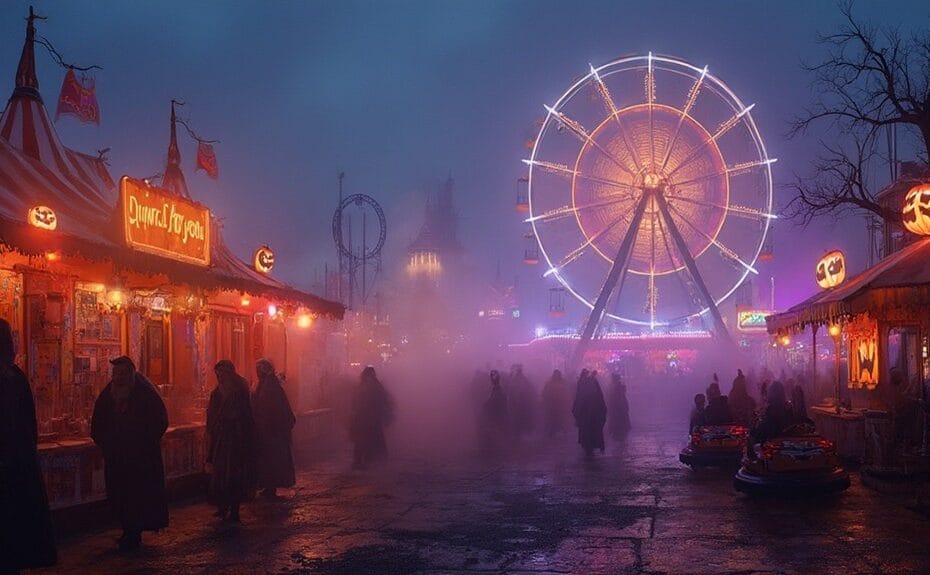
(372, 411)
(777, 416)
(274, 421)
(742, 406)
(718, 408)
(522, 402)
(798, 406)
(26, 539)
(231, 449)
(590, 412)
(618, 420)
(555, 404)
(494, 425)
(128, 424)
(697, 412)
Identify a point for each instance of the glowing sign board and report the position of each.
(159, 223)
(751, 319)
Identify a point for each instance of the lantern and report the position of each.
(264, 259)
(42, 217)
(831, 269)
(916, 212)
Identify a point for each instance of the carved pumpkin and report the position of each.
(831, 269)
(916, 212)
(264, 259)
(43, 217)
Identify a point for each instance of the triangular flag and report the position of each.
(79, 99)
(206, 159)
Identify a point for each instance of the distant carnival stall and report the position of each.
(90, 270)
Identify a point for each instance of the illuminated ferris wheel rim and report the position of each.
(727, 95)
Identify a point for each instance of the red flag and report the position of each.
(206, 159)
(79, 99)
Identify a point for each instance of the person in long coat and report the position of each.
(26, 539)
(494, 423)
(274, 422)
(618, 419)
(231, 449)
(372, 411)
(590, 412)
(555, 404)
(128, 423)
(523, 402)
(742, 405)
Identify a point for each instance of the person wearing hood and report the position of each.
(372, 411)
(742, 405)
(590, 412)
(231, 449)
(26, 538)
(128, 423)
(555, 404)
(494, 424)
(718, 408)
(777, 416)
(618, 418)
(274, 422)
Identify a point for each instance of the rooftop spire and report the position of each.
(27, 84)
(173, 179)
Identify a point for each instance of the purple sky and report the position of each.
(399, 94)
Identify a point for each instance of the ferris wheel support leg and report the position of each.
(616, 274)
(720, 328)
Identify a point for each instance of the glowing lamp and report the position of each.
(115, 298)
(52, 256)
(304, 320)
(245, 301)
(42, 217)
(916, 212)
(264, 260)
(272, 310)
(785, 340)
(835, 330)
(831, 269)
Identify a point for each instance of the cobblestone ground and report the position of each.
(633, 510)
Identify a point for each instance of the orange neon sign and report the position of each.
(156, 222)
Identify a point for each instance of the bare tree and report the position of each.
(871, 78)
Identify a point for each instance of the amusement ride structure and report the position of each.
(650, 194)
(359, 251)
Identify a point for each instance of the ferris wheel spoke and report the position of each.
(725, 127)
(650, 99)
(741, 211)
(652, 296)
(614, 112)
(689, 103)
(563, 170)
(578, 251)
(579, 131)
(724, 250)
(564, 211)
(735, 170)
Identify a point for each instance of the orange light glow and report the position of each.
(304, 320)
(42, 217)
(52, 256)
(272, 310)
(245, 301)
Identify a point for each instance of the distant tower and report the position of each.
(436, 245)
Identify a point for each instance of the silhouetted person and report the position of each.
(522, 402)
(777, 416)
(590, 412)
(798, 406)
(742, 406)
(26, 539)
(231, 434)
(494, 424)
(128, 424)
(697, 412)
(372, 411)
(618, 417)
(718, 409)
(274, 422)
(555, 404)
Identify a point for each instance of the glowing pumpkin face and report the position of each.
(264, 259)
(831, 269)
(916, 212)
(42, 217)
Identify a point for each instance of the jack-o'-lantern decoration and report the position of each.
(831, 269)
(42, 217)
(916, 212)
(264, 259)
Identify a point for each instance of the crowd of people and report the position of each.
(512, 407)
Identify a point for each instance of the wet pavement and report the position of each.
(633, 510)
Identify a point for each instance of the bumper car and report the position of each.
(799, 462)
(715, 446)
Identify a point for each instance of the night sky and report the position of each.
(400, 94)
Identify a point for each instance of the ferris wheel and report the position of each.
(649, 193)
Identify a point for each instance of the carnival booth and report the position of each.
(91, 270)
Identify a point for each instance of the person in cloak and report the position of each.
(372, 411)
(718, 408)
(590, 412)
(128, 423)
(742, 405)
(555, 405)
(26, 539)
(523, 402)
(274, 422)
(775, 420)
(618, 418)
(231, 448)
(494, 424)
(697, 412)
